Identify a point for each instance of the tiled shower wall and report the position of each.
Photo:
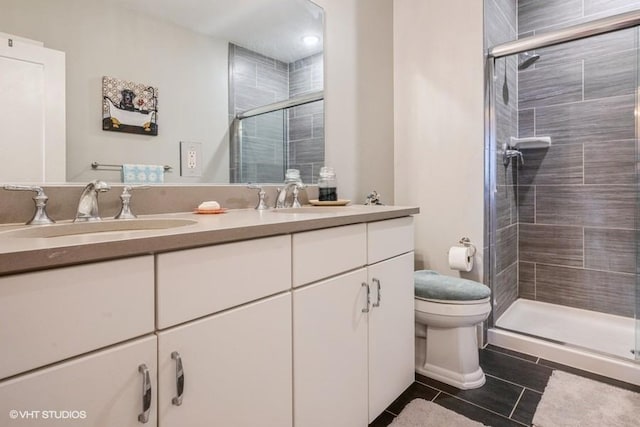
(257, 80)
(500, 27)
(306, 122)
(258, 154)
(577, 199)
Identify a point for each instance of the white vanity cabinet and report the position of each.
(313, 328)
(235, 368)
(353, 334)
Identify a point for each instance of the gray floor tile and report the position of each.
(524, 373)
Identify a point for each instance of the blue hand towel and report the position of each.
(142, 174)
(431, 285)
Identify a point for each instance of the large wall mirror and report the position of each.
(238, 83)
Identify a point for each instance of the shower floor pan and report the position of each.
(592, 341)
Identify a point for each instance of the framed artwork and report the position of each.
(129, 107)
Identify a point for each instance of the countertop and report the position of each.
(21, 254)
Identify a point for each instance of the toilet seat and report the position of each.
(453, 308)
(430, 285)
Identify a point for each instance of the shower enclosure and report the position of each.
(561, 181)
(277, 120)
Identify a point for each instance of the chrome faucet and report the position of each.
(292, 187)
(88, 204)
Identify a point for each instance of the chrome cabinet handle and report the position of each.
(146, 394)
(377, 282)
(179, 379)
(366, 309)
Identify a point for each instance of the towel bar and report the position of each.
(96, 165)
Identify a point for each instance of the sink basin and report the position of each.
(313, 210)
(71, 229)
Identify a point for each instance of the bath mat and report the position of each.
(422, 413)
(569, 400)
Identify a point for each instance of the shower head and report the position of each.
(526, 60)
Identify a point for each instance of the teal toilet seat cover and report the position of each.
(431, 285)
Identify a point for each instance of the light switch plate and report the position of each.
(190, 158)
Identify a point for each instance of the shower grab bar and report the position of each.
(574, 32)
(281, 105)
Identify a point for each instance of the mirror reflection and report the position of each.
(237, 85)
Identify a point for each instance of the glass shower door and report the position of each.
(565, 193)
(262, 147)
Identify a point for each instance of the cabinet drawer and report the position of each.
(196, 282)
(52, 315)
(389, 238)
(323, 253)
(100, 389)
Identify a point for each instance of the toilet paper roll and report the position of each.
(461, 258)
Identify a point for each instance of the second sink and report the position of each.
(313, 210)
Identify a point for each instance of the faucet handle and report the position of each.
(128, 188)
(40, 215)
(261, 194)
(125, 197)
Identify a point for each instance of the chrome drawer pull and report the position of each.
(146, 394)
(179, 379)
(366, 309)
(377, 282)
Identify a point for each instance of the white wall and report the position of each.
(439, 124)
(359, 95)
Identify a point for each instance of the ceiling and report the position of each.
(271, 27)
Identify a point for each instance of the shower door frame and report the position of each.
(569, 34)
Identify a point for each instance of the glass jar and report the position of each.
(327, 185)
(292, 175)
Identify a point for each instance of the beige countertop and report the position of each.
(19, 253)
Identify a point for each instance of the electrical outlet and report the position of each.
(190, 158)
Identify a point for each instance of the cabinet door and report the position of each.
(391, 331)
(236, 365)
(101, 389)
(330, 352)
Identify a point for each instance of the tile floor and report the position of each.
(514, 386)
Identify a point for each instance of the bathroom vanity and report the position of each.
(274, 318)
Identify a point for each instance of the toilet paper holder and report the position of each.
(466, 242)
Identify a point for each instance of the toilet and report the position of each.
(448, 310)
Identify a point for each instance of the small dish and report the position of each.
(339, 202)
(210, 211)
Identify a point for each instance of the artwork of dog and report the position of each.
(127, 100)
(129, 107)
